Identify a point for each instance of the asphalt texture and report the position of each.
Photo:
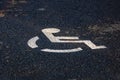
(95, 20)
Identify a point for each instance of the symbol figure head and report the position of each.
(51, 30)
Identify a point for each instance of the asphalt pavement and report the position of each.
(59, 40)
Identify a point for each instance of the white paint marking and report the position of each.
(62, 51)
(32, 42)
(48, 32)
(64, 37)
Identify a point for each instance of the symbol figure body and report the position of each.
(49, 33)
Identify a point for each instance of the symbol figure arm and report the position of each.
(69, 38)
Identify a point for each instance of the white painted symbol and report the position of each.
(48, 32)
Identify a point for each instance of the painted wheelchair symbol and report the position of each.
(48, 32)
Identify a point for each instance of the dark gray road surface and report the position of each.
(95, 20)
